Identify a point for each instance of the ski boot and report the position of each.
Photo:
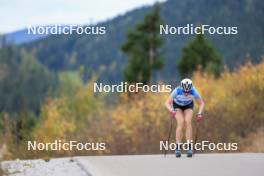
(178, 153)
(189, 153)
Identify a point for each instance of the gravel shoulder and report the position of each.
(54, 167)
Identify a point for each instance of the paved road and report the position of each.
(247, 164)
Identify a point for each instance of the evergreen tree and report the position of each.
(143, 49)
(199, 53)
(24, 82)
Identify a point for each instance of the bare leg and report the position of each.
(188, 113)
(180, 124)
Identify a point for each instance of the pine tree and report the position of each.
(199, 53)
(24, 81)
(143, 49)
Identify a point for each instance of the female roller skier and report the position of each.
(180, 105)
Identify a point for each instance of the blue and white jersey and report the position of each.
(179, 98)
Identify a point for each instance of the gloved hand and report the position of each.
(199, 117)
(172, 112)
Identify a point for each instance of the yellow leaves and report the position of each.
(234, 100)
(53, 124)
(139, 121)
(59, 116)
(75, 117)
(136, 124)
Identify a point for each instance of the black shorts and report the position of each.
(183, 108)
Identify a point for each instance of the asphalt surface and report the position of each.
(245, 164)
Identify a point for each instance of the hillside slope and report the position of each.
(102, 54)
(21, 36)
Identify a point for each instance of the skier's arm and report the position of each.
(168, 103)
(201, 105)
(199, 100)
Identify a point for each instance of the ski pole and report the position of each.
(168, 140)
(196, 134)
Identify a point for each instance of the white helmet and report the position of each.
(186, 84)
